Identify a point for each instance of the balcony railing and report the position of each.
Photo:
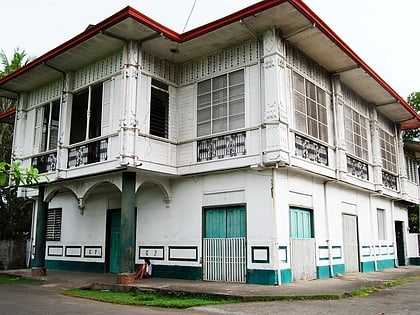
(88, 153)
(357, 168)
(311, 150)
(221, 147)
(45, 163)
(389, 180)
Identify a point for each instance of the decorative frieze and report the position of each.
(357, 168)
(389, 180)
(302, 63)
(220, 147)
(158, 67)
(88, 153)
(311, 150)
(45, 94)
(98, 71)
(45, 163)
(219, 63)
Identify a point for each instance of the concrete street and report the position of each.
(46, 299)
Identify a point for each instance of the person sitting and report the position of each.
(144, 270)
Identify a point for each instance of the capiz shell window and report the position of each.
(221, 104)
(310, 108)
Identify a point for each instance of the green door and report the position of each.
(224, 247)
(225, 222)
(114, 242)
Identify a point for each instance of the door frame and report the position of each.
(399, 242)
(109, 213)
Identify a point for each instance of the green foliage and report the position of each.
(365, 291)
(18, 175)
(18, 60)
(414, 100)
(150, 298)
(413, 219)
(15, 211)
(6, 279)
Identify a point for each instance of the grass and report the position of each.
(149, 298)
(365, 291)
(6, 279)
(186, 300)
(179, 300)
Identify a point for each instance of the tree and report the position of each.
(413, 212)
(18, 60)
(414, 100)
(15, 211)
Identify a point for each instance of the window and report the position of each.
(356, 127)
(86, 114)
(54, 224)
(412, 169)
(310, 108)
(47, 119)
(221, 104)
(381, 224)
(159, 104)
(388, 151)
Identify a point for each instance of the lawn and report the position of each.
(7, 279)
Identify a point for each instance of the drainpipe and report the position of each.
(330, 258)
(372, 246)
(274, 205)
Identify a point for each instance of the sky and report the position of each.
(384, 33)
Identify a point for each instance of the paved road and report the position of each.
(402, 299)
(37, 300)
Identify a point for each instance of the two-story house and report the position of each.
(257, 148)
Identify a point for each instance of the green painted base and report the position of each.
(178, 272)
(324, 271)
(286, 276)
(266, 277)
(384, 264)
(368, 266)
(414, 261)
(75, 266)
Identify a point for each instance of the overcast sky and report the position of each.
(384, 33)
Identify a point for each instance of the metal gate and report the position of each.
(350, 243)
(224, 259)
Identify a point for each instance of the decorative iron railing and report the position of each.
(389, 180)
(88, 153)
(221, 147)
(357, 168)
(311, 150)
(45, 163)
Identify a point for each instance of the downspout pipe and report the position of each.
(330, 256)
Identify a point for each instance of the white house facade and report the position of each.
(258, 148)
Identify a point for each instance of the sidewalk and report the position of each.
(332, 286)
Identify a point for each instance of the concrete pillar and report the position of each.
(38, 268)
(128, 228)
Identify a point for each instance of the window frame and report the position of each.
(381, 223)
(310, 117)
(354, 121)
(389, 158)
(159, 109)
(221, 105)
(92, 109)
(54, 224)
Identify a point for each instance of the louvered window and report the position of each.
(54, 224)
(159, 109)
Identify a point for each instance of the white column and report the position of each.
(275, 117)
(128, 124)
